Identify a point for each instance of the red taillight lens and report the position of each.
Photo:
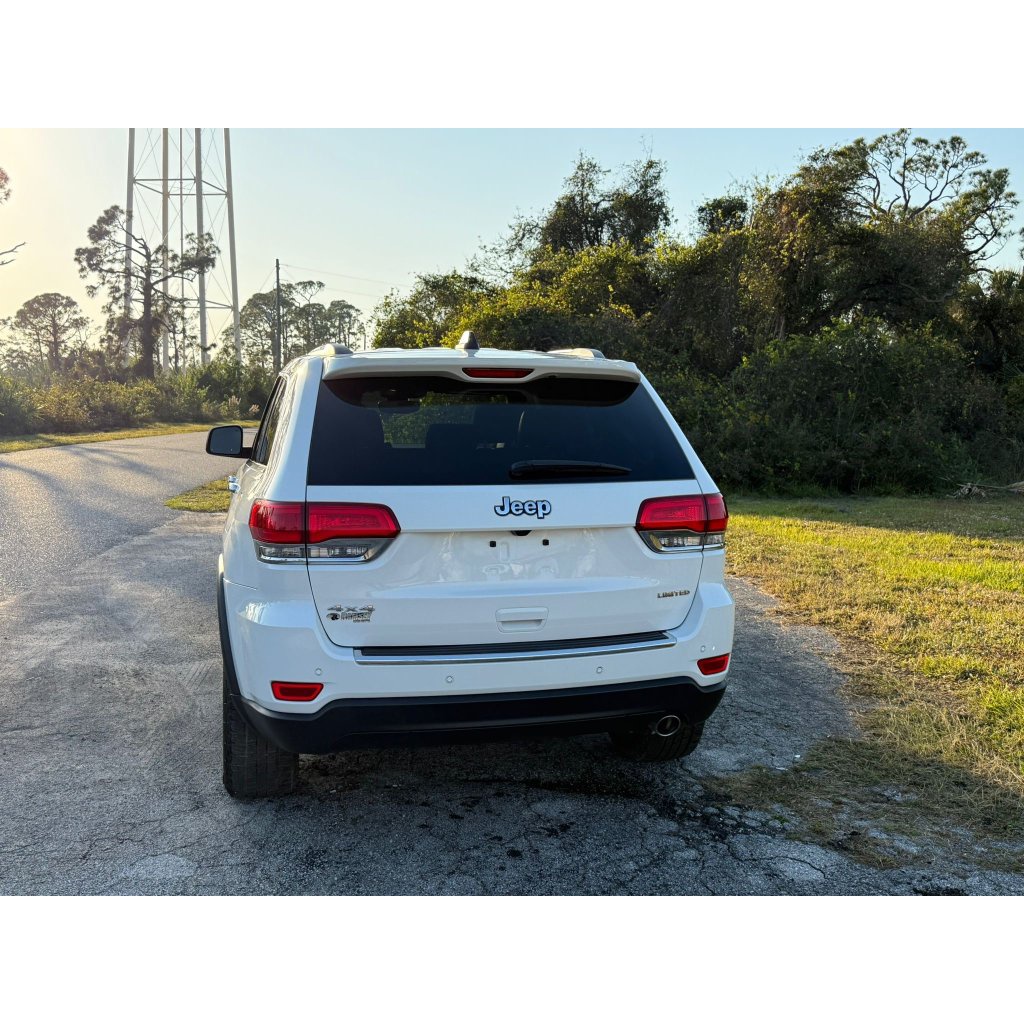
(296, 691)
(288, 532)
(683, 513)
(712, 666)
(327, 521)
(691, 521)
(277, 522)
(496, 372)
(718, 514)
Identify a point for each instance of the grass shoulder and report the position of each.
(25, 442)
(926, 597)
(211, 497)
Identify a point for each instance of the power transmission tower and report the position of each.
(277, 318)
(185, 173)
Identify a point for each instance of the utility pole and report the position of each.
(277, 324)
(180, 210)
(230, 195)
(165, 200)
(129, 218)
(204, 351)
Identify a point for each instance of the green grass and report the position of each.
(927, 598)
(211, 497)
(24, 442)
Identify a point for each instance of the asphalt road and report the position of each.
(110, 747)
(61, 506)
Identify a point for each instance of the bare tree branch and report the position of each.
(9, 252)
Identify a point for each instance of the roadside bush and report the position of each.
(851, 408)
(17, 408)
(855, 406)
(181, 399)
(96, 405)
(521, 319)
(223, 379)
(78, 404)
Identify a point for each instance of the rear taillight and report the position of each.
(325, 531)
(718, 520)
(296, 691)
(684, 522)
(348, 532)
(278, 528)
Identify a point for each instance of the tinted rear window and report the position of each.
(379, 431)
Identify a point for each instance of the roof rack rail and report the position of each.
(578, 353)
(468, 342)
(330, 350)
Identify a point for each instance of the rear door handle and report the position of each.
(520, 620)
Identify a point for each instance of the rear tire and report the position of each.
(643, 745)
(254, 767)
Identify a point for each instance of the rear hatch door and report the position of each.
(516, 503)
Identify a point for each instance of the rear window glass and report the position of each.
(437, 430)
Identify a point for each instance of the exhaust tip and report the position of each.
(668, 725)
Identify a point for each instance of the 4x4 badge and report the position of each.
(350, 613)
(508, 507)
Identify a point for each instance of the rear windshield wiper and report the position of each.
(537, 468)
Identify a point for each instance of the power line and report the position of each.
(334, 273)
(338, 291)
(265, 281)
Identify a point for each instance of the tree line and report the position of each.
(61, 371)
(842, 328)
(305, 323)
(50, 336)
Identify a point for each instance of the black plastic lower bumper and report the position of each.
(351, 723)
(372, 722)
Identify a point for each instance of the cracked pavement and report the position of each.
(110, 769)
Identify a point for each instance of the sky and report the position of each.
(365, 210)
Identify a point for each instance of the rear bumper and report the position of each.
(283, 639)
(346, 724)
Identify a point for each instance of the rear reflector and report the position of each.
(296, 691)
(713, 666)
(496, 372)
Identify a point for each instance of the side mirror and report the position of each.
(227, 441)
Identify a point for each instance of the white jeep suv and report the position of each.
(434, 545)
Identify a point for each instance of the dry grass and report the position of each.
(927, 597)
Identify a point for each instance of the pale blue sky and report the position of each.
(381, 205)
